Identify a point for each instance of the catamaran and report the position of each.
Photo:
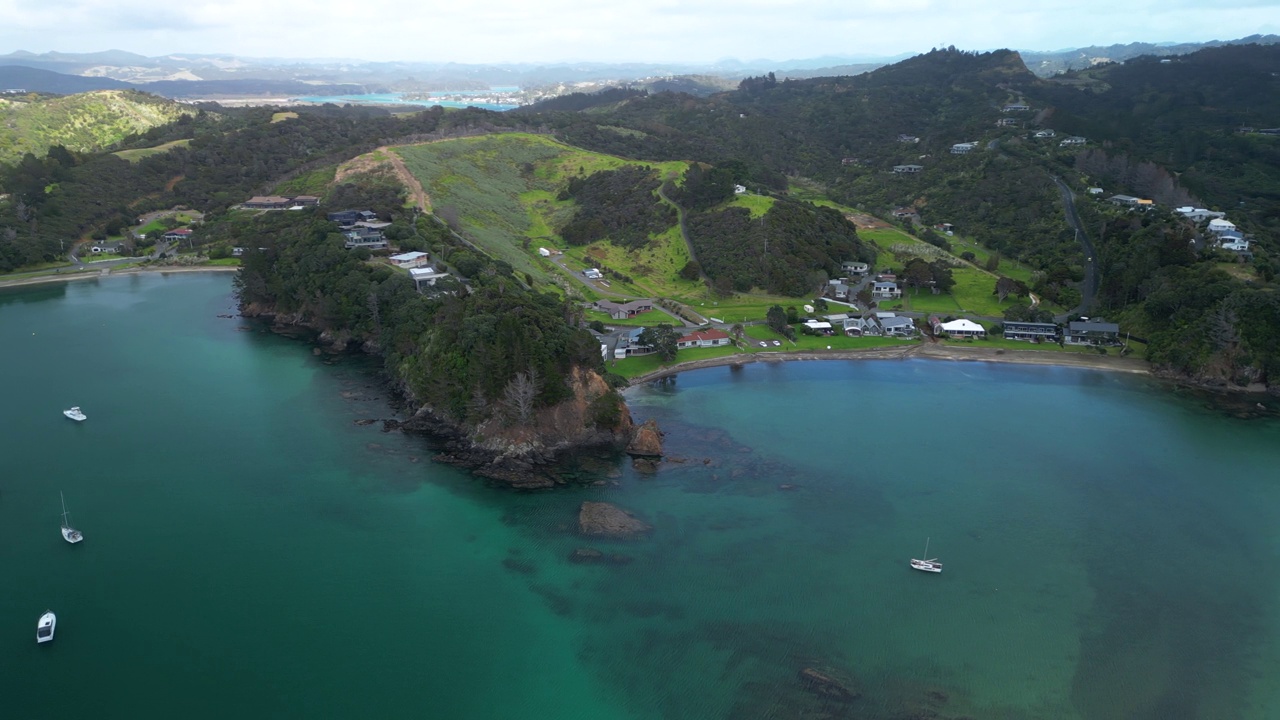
(44, 628)
(69, 533)
(75, 414)
(931, 565)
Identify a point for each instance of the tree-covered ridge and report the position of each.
(494, 349)
(621, 205)
(64, 197)
(1191, 115)
(792, 250)
(82, 123)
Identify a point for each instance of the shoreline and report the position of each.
(930, 351)
(98, 274)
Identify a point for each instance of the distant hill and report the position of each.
(85, 122)
(18, 77)
(1046, 64)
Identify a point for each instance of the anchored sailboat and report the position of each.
(69, 533)
(931, 565)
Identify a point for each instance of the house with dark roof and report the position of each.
(1030, 331)
(1091, 332)
(897, 326)
(862, 327)
(622, 311)
(265, 202)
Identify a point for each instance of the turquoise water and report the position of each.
(399, 99)
(251, 550)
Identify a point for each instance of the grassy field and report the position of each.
(648, 319)
(758, 205)
(316, 182)
(137, 154)
(763, 333)
(502, 189)
(282, 116)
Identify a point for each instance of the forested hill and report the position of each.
(1166, 130)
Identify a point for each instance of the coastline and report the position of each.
(930, 351)
(93, 275)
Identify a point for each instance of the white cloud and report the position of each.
(656, 31)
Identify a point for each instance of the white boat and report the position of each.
(44, 628)
(75, 414)
(69, 533)
(931, 565)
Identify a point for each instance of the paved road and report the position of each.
(1089, 286)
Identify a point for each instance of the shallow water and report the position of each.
(250, 549)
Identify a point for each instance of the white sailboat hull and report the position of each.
(926, 565)
(71, 535)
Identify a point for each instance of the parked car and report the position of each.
(777, 343)
(764, 344)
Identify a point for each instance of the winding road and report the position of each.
(1088, 286)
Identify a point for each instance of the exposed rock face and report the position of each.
(525, 456)
(598, 519)
(646, 440)
(822, 681)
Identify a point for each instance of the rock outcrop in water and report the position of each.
(646, 441)
(600, 519)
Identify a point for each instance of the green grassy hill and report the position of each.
(86, 122)
(501, 191)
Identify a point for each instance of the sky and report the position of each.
(494, 31)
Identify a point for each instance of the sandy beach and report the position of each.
(933, 351)
(95, 275)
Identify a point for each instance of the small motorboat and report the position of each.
(931, 565)
(44, 628)
(75, 413)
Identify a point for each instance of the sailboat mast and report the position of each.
(926, 547)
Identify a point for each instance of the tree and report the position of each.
(993, 262)
(520, 396)
(663, 338)
(691, 270)
(737, 330)
(776, 318)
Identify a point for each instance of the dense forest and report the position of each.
(493, 349)
(621, 205)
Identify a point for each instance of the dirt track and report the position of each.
(369, 163)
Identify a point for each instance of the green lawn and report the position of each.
(839, 341)
(758, 205)
(649, 319)
(643, 364)
(226, 262)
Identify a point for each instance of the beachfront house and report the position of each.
(1091, 332)
(897, 326)
(862, 327)
(710, 337)
(1030, 331)
(963, 328)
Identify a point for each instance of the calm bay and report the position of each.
(250, 549)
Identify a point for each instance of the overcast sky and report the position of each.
(613, 30)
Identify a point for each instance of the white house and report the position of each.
(861, 327)
(592, 274)
(1196, 214)
(963, 328)
(544, 252)
(710, 337)
(425, 277)
(818, 326)
(898, 326)
(413, 259)
(1073, 140)
(1045, 133)
(739, 189)
(1217, 226)
(885, 290)
(855, 268)
(963, 148)
(907, 169)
